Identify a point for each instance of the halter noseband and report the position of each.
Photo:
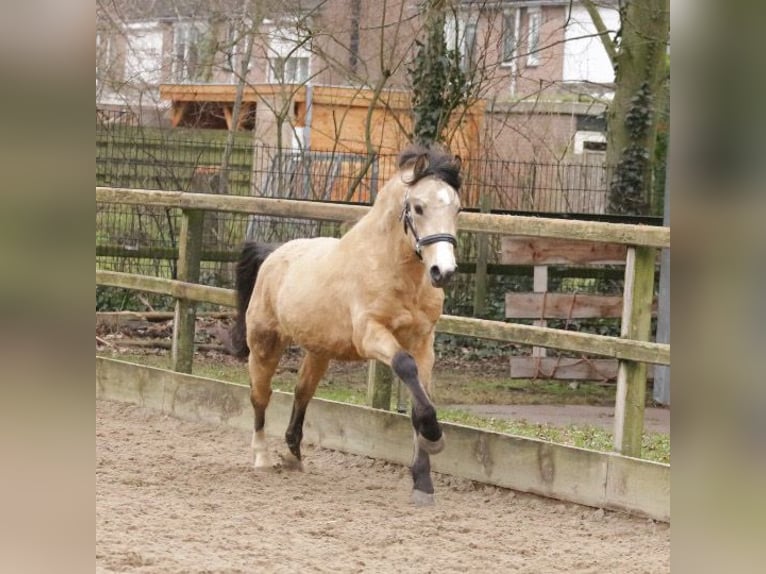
(420, 242)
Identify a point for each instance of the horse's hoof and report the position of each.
(420, 498)
(262, 463)
(431, 446)
(264, 467)
(292, 462)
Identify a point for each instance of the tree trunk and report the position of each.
(640, 65)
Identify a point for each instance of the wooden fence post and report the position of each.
(189, 252)
(482, 256)
(379, 379)
(631, 375)
(540, 285)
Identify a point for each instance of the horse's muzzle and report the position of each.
(440, 278)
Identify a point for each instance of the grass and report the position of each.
(347, 383)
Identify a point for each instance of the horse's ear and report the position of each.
(421, 165)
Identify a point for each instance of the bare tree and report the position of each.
(639, 59)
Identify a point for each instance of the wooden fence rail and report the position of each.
(633, 349)
(646, 235)
(627, 349)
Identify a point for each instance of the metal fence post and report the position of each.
(631, 375)
(189, 253)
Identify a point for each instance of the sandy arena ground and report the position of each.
(175, 496)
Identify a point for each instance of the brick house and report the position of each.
(542, 75)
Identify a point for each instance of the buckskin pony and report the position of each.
(375, 293)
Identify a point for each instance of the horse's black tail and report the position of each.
(250, 261)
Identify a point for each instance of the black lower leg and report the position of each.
(423, 412)
(421, 472)
(294, 434)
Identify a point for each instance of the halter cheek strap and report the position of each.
(420, 242)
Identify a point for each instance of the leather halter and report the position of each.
(420, 242)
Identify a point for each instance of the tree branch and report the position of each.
(603, 33)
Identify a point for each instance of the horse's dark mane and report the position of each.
(441, 164)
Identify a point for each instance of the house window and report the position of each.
(143, 60)
(509, 36)
(235, 48)
(460, 37)
(589, 141)
(289, 70)
(533, 36)
(105, 59)
(188, 46)
(289, 55)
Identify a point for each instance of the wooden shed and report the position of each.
(338, 117)
(332, 122)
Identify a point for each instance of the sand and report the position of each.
(177, 496)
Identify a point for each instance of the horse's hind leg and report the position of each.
(265, 352)
(311, 372)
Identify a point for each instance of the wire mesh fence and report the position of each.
(143, 239)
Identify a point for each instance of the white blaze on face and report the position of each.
(443, 257)
(442, 253)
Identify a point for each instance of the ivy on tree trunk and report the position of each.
(640, 66)
(439, 85)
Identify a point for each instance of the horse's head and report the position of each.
(430, 209)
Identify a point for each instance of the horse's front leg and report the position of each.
(418, 380)
(422, 493)
(376, 342)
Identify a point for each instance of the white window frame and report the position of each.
(510, 23)
(236, 40)
(460, 33)
(186, 35)
(534, 24)
(583, 136)
(105, 55)
(136, 69)
(289, 70)
(286, 49)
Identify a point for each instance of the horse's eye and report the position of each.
(419, 210)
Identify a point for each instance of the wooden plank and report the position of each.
(540, 285)
(528, 465)
(227, 116)
(380, 379)
(482, 258)
(153, 252)
(561, 306)
(161, 286)
(556, 339)
(118, 317)
(524, 334)
(477, 222)
(631, 375)
(568, 368)
(233, 203)
(622, 233)
(548, 251)
(630, 479)
(184, 323)
(563, 368)
(179, 109)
